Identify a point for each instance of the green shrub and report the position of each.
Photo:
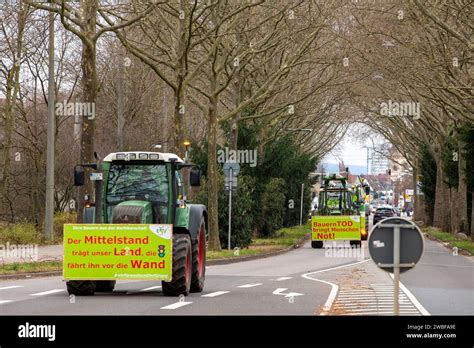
(59, 220)
(19, 233)
(273, 206)
(242, 211)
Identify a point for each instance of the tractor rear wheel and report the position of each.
(182, 267)
(199, 259)
(105, 285)
(81, 287)
(316, 244)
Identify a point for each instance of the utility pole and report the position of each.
(49, 211)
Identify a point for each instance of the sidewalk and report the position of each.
(41, 253)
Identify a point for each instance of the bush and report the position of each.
(19, 233)
(273, 206)
(242, 211)
(59, 220)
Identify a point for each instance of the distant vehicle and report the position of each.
(397, 211)
(383, 213)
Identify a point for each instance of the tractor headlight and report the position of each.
(154, 156)
(120, 156)
(143, 156)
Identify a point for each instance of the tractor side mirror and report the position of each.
(367, 190)
(78, 176)
(195, 177)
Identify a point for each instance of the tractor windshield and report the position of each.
(147, 182)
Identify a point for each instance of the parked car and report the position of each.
(383, 213)
(397, 211)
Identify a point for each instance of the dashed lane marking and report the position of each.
(151, 288)
(249, 285)
(176, 305)
(11, 287)
(282, 278)
(44, 293)
(215, 294)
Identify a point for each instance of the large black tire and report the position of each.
(199, 259)
(356, 243)
(81, 287)
(182, 267)
(105, 285)
(316, 244)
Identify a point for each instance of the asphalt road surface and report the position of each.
(304, 281)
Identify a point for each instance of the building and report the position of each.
(378, 162)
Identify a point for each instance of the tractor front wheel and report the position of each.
(105, 285)
(182, 267)
(81, 287)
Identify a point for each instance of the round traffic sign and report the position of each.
(382, 246)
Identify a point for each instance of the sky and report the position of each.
(351, 150)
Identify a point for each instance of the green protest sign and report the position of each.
(336, 227)
(117, 251)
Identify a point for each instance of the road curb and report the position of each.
(259, 256)
(209, 262)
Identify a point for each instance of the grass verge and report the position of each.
(31, 267)
(284, 238)
(450, 238)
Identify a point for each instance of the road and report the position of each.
(304, 281)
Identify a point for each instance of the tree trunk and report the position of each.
(441, 206)
(454, 210)
(461, 198)
(212, 179)
(178, 117)
(472, 216)
(90, 86)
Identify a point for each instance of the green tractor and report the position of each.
(148, 188)
(336, 198)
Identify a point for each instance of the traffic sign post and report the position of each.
(231, 170)
(396, 245)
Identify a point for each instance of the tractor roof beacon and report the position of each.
(143, 187)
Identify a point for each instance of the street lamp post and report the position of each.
(49, 209)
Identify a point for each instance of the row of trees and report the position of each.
(243, 74)
(163, 72)
(421, 52)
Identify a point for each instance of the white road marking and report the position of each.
(12, 287)
(412, 298)
(215, 294)
(280, 291)
(375, 302)
(249, 285)
(5, 301)
(151, 288)
(334, 287)
(176, 305)
(282, 278)
(48, 292)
